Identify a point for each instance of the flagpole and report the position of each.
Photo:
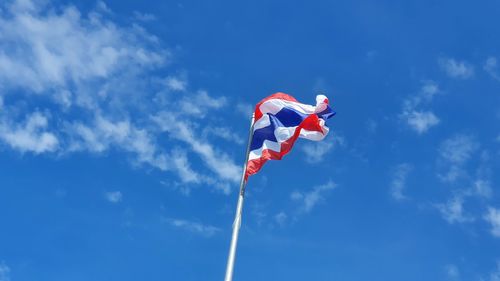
(239, 207)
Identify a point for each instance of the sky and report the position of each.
(123, 128)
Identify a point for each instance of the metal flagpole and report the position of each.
(239, 207)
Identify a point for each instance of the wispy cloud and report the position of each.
(199, 104)
(452, 272)
(223, 133)
(100, 81)
(454, 152)
(398, 183)
(491, 67)
(4, 272)
(422, 121)
(456, 69)
(280, 218)
(493, 218)
(453, 210)
(495, 275)
(103, 134)
(215, 160)
(144, 16)
(371, 125)
(418, 119)
(258, 212)
(316, 151)
(48, 52)
(183, 167)
(482, 188)
(245, 109)
(176, 83)
(113, 196)
(458, 149)
(193, 227)
(30, 136)
(307, 200)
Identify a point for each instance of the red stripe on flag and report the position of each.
(279, 95)
(311, 123)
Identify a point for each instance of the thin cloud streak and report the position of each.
(308, 200)
(398, 183)
(493, 218)
(193, 227)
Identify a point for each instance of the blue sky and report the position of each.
(123, 128)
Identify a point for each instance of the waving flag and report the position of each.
(279, 120)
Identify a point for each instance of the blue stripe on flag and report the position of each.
(326, 114)
(262, 134)
(289, 117)
(284, 118)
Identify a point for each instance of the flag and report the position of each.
(279, 120)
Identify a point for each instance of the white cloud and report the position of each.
(453, 173)
(454, 152)
(181, 164)
(491, 67)
(453, 211)
(113, 196)
(194, 227)
(217, 161)
(454, 157)
(199, 104)
(98, 80)
(104, 134)
(144, 16)
(81, 62)
(398, 183)
(176, 83)
(429, 90)
(4, 272)
(280, 218)
(31, 136)
(258, 212)
(224, 133)
(421, 120)
(102, 7)
(245, 109)
(493, 218)
(482, 188)
(456, 69)
(45, 50)
(316, 151)
(371, 125)
(308, 200)
(458, 149)
(452, 272)
(495, 275)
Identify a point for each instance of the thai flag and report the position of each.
(279, 120)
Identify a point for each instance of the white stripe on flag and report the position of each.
(273, 106)
(262, 122)
(271, 145)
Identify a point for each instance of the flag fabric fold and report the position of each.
(279, 121)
